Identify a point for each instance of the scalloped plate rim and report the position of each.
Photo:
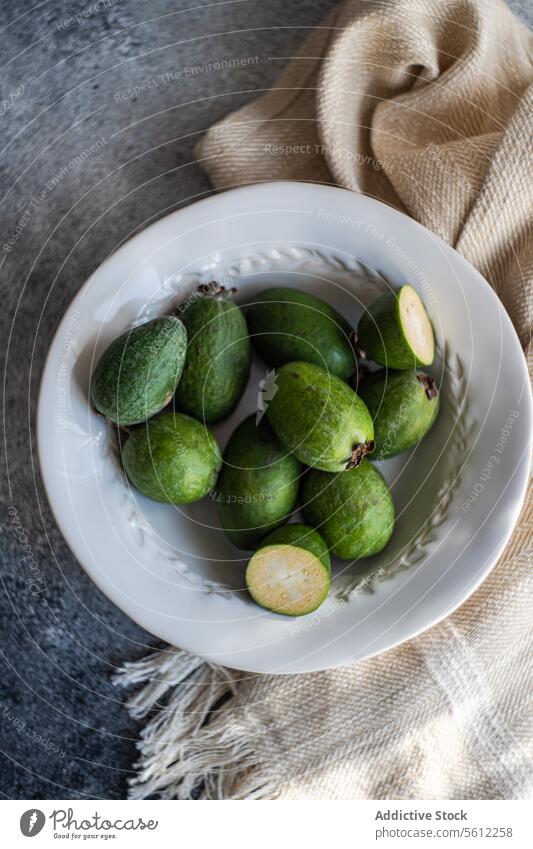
(520, 476)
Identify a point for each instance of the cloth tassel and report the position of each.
(182, 749)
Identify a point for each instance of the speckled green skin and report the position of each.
(380, 334)
(172, 458)
(401, 410)
(288, 325)
(137, 374)
(218, 358)
(317, 417)
(352, 510)
(302, 536)
(258, 486)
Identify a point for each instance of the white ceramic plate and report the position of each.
(457, 495)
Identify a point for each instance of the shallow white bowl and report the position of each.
(457, 495)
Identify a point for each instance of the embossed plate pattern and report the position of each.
(170, 568)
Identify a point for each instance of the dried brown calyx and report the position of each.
(358, 452)
(430, 387)
(216, 290)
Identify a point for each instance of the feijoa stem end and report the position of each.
(216, 290)
(358, 453)
(429, 385)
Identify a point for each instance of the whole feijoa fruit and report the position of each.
(218, 357)
(302, 536)
(258, 486)
(404, 406)
(319, 418)
(172, 458)
(395, 331)
(353, 511)
(137, 374)
(287, 325)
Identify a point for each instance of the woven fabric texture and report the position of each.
(426, 105)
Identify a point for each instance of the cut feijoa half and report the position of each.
(395, 331)
(303, 536)
(287, 579)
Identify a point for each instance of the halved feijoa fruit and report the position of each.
(395, 331)
(303, 536)
(287, 579)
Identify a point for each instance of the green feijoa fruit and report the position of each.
(137, 374)
(288, 325)
(287, 579)
(318, 418)
(218, 358)
(172, 458)
(404, 406)
(352, 510)
(395, 331)
(258, 487)
(303, 536)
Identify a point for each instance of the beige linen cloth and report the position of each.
(427, 106)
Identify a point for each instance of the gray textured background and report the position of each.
(63, 730)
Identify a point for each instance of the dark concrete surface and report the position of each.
(66, 86)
